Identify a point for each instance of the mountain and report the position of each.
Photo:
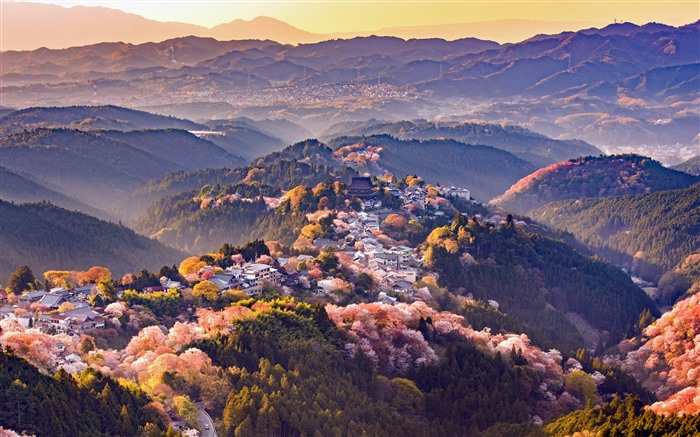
(523, 143)
(47, 237)
(179, 147)
(86, 165)
(90, 118)
(34, 25)
(617, 87)
(561, 297)
(594, 177)
(229, 206)
(503, 31)
(263, 28)
(481, 169)
(648, 234)
(285, 169)
(690, 166)
(23, 189)
(102, 168)
(244, 137)
(59, 27)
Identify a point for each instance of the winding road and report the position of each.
(206, 424)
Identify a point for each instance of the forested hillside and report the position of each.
(485, 171)
(47, 237)
(178, 146)
(103, 168)
(284, 169)
(538, 149)
(648, 234)
(623, 417)
(89, 404)
(198, 221)
(594, 177)
(558, 294)
(89, 118)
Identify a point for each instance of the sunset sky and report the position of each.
(360, 15)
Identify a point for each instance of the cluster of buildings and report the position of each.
(40, 309)
(250, 278)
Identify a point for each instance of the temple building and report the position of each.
(361, 187)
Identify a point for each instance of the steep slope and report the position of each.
(86, 165)
(285, 169)
(600, 176)
(242, 137)
(481, 169)
(666, 362)
(102, 168)
(559, 295)
(647, 234)
(525, 144)
(180, 147)
(60, 405)
(90, 118)
(22, 189)
(47, 237)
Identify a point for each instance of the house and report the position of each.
(386, 299)
(256, 273)
(322, 243)
(73, 322)
(402, 252)
(401, 286)
(54, 299)
(84, 291)
(32, 296)
(154, 289)
(56, 322)
(167, 283)
(69, 359)
(461, 193)
(227, 281)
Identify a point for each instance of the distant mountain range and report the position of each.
(618, 86)
(35, 25)
(592, 177)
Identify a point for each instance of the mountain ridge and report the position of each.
(601, 176)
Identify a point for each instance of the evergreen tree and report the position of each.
(20, 280)
(245, 429)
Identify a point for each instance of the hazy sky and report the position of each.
(324, 16)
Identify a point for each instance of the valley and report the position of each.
(355, 236)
